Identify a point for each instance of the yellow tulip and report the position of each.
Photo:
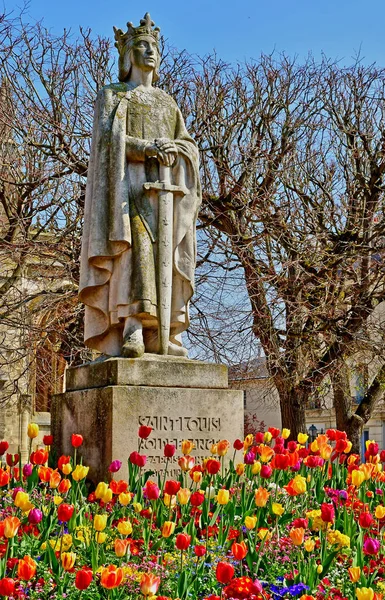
(365, 593)
(267, 437)
(214, 449)
(125, 498)
(354, 574)
(168, 529)
(33, 430)
(240, 468)
(68, 560)
(100, 522)
(264, 534)
(357, 478)
(223, 497)
(197, 477)
(125, 527)
(348, 447)
(101, 490)
(379, 512)
(256, 467)
(261, 496)
(314, 446)
(285, 433)
(100, 537)
(137, 507)
(319, 569)
(57, 500)
(326, 451)
(249, 439)
(67, 468)
(299, 484)
(22, 501)
(169, 500)
(183, 496)
(250, 522)
(309, 545)
(107, 496)
(277, 509)
(302, 438)
(80, 472)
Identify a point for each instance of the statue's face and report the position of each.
(144, 53)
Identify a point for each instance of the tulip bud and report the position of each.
(33, 430)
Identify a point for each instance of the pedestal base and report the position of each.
(108, 413)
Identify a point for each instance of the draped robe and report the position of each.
(118, 270)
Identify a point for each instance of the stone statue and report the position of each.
(142, 199)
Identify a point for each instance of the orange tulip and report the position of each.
(54, 479)
(239, 550)
(222, 447)
(187, 446)
(186, 462)
(11, 525)
(149, 584)
(4, 478)
(118, 487)
(44, 474)
(354, 574)
(111, 577)
(68, 560)
(326, 451)
(121, 547)
(297, 535)
(266, 453)
(26, 568)
(64, 486)
(168, 529)
(261, 497)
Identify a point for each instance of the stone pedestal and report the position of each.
(180, 398)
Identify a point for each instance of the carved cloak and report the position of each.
(119, 243)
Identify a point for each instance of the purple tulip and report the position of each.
(27, 470)
(35, 516)
(249, 458)
(296, 467)
(115, 466)
(371, 546)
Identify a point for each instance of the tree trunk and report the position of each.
(293, 411)
(346, 420)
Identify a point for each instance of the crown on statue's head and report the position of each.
(146, 27)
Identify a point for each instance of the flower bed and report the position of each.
(279, 519)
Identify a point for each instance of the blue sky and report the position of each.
(237, 30)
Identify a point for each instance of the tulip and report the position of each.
(186, 462)
(63, 460)
(213, 466)
(297, 535)
(149, 584)
(101, 489)
(125, 527)
(187, 446)
(223, 497)
(302, 438)
(277, 509)
(7, 585)
(365, 520)
(39, 457)
(151, 491)
(35, 516)
(379, 512)
(48, 440)
(249, 458)
(65, 512)
(285, 433)
(83, 578)
(54, 480)
(169, 500)
(256, 468)
(80, 472)
(197, 498)
(354, 574)
(111, 577)
(11, 525)
(357, 478)
(33, 430)
(144, 432)
(266, 471)
(224, 572)
(327, 512)
(171, 487)
(364, 593)
(250, 522)
(199, 550)
(266, 453)
(137, 507)
(309, 545)
(76, 440)
(68, 560)
(115, 466)
(183, 496)
(182, 541)
(27, 470)
(238, 445)
(267, 436)
(44, 474)
(4, 478)
(168, 529)
(100, 522)
(12, 459)
(223, 447)
(107, 496)
(64, 486)
(119, 487)
(169, 450)
(214, 449)
(248, 441)
(261, 497)
(26, 568)
(240, 469)
(125, 498)
(22, 501)
(239, 551)
(57, 500)
(3, 447)
(67, 468)
(210, 492)
(121, 547)
(371, 546)
(100, 537)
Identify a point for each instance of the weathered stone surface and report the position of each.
(109, 418)
(150, 370)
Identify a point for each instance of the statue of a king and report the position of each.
(142, 199)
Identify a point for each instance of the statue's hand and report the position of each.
(168, 151)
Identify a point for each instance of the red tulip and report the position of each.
(76, 440)
(238, 445)
(3, 447)
(141, 460)
(144, 432)
(239, 550)
(65, 512)
(182, 541)
(151, 491)
(197, 498)
(26, 568)
(259, 436)
(171, 487)
(39, 457)
(327, 512)
(365, 520)
(169, 450)
(63, 460)
(213, 466)
(266, 471)
(4, 477)
(12, 459)
(224, 572)
(48, 440)
(83, 579)
(281, 461)
(274, 432)
(201, 550)
(7, 586)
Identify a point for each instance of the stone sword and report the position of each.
(166, 194)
